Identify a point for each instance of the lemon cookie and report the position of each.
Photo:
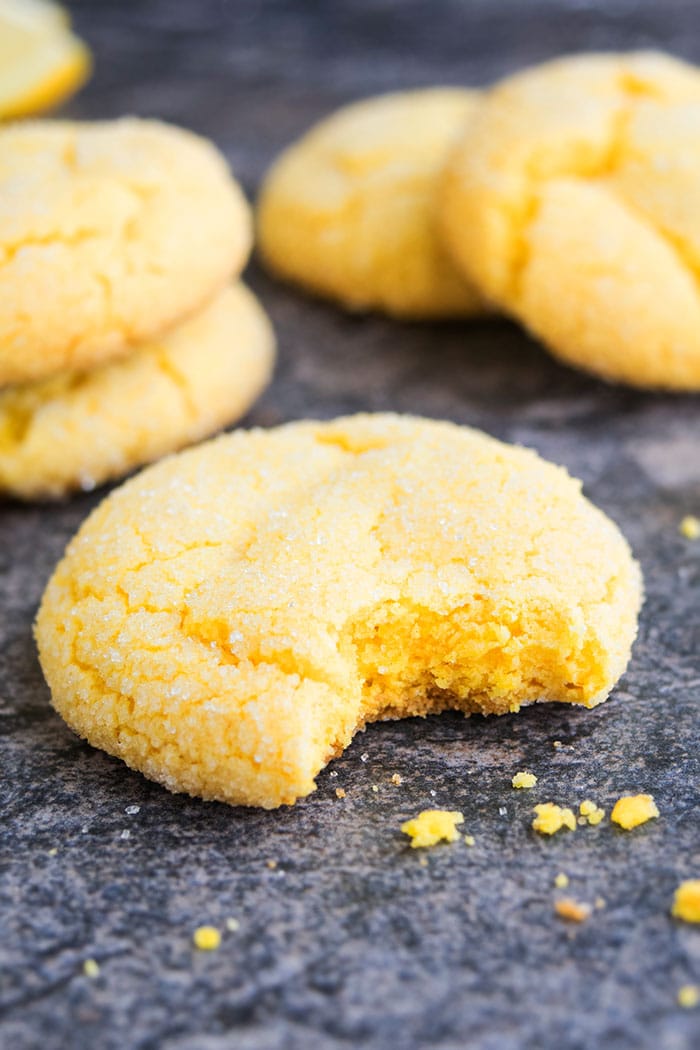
(349, 211)
(76, 430)
(109, 233)
(573, 202)
(227, 620)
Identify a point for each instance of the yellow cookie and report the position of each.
(109, 233)
(349, 211)
(574, 203)
(78, 429)
(228, 619)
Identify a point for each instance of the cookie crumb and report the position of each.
(375, 788)
(550, 818)
(690, 527)
(561, 881)
(272, 864)
(524, 780)
(686, 901)
(469, 840)
(599, 903)
(632, 810)
(206, 938)
(53, 851)
(397, 779)
(591, 813)
(232, 925)
(688, 996)
(432, 826)
(423, 862)
(556, 744)
(125, 834)
(91, 968)
(571, 910)
(340, 792)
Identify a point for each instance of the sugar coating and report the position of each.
(350, 210)
(432, 826)
(632, 810)
(109, 233)
(227, 620)
(79, 429)
(573, 203)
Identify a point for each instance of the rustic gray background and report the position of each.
(349, 941)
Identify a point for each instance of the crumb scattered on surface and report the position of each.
(232, 925)
(571, 910)
(53, 851)
(433, 826)
(557, 744)
(689, 996)
(397, 779)
(125, 834)
(599, 902)
(375, 788)
(91, 968)
(132, 810)
(551, 818)
(686, 901)
(272, 864)
(423, 862)
(561, 881)
(632, 810)
(364, 756)
(469, 840)
(340, 792)
(206, 938)
(690, 527)
(591, 813)
(524, 780)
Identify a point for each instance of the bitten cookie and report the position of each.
(79, 429)
(227, 620)
(109, 233)
(350, 210)
(573, 202)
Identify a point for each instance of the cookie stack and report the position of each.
(122, 336)
(567, 196)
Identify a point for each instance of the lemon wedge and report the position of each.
(41, 61)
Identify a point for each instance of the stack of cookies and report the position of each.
(567, 196)
(124, 333)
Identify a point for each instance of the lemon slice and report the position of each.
(41, 61)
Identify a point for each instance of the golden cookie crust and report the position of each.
(79, 429)
(109, 233)
(225, 621)
(573, 202)
(350, 210)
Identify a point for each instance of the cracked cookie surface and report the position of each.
(79, 429)
(228, 619)
(109, 233)
(573, 202)
(350, 210)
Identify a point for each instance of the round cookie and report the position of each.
(573, 203)
(226, 621)
(109, 233)
(79, 429)
(350, 210)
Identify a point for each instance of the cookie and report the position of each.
(79, 429)
(109, 234)
(228, 619)
(573, 202)
(349, 211)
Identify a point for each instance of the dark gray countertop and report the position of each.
(349, 941)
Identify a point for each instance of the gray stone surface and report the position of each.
(349, 941)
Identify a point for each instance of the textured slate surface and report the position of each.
(349, 941)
